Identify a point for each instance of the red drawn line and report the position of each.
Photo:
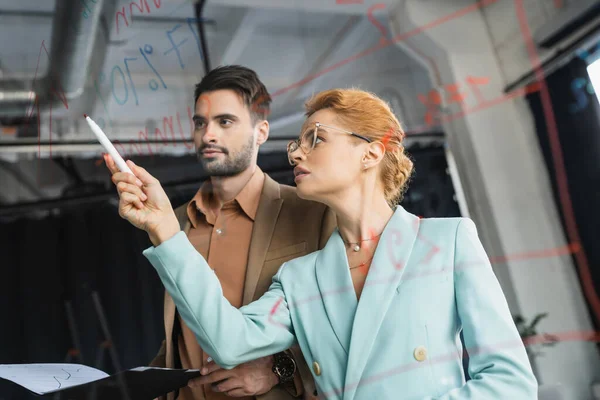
(387, 137)
(473, 82)
(398, 264)
(140, 8)
(462, 267)
(167, 125)
(573, 336)
(376, 23)
(457, 14)
(364, 266)
(273, 311)
(482, 106)
(431, 61)
(558, 3)
(434, 249)
(572, 248)
(588, 336)
(492, 103)
(386, 43)
(398, 38)
(336, 40)
(558, 161)
(383, 44)
(257, 106)
(36, 105)
(328, 69)
(137, 148)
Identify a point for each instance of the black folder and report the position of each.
(142, 383)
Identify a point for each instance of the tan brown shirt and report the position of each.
(226, 233)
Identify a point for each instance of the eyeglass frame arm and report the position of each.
(317, 125)
(343, 130)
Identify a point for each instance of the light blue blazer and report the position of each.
(429, 279)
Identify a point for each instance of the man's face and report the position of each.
(225, 138)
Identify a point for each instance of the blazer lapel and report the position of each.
(182, 217)
(262, 232)
(169, 304)
(385, 274)
(169, 307)
(336, 288)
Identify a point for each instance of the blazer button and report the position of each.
(420, 353)
(316, 368)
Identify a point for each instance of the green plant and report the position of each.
(532, 340)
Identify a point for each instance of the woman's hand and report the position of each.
(143, 202)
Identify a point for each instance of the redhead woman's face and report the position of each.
(333, 165)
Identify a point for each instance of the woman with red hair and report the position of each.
(379, 310)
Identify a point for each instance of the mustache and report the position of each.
(217, 148)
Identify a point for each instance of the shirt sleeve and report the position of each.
(498, 364)
(229, 335)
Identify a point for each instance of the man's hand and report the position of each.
(250, 379)
(143, 202)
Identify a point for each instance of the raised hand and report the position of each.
(143, 202)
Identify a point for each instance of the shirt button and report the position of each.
(316, 368)
(219, 231)
(420, 353)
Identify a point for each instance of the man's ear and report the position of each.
(262, 129)
(374, 153)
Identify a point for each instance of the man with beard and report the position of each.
(245, 225)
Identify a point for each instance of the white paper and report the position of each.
(48, 378)
(142, 369)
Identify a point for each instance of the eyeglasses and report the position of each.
(308, 140)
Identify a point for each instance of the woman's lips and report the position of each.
(301, 176)
(300, 170)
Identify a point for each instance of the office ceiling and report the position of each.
(132, 77)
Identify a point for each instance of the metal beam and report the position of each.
(199, 10)
(351, 7)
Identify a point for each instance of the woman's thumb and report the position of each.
(140, 173)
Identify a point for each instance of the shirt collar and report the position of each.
(248, 199)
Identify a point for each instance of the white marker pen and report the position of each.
(105, 142)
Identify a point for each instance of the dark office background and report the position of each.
(86, 250)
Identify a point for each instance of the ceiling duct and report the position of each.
(75, 40)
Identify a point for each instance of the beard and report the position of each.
(231, 165)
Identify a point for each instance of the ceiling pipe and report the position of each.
(75, 42)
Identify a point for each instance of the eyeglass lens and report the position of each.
(307, 142)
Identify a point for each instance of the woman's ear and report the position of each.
(263, 132)
(374, 154)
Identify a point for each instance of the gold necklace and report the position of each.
(357, 244)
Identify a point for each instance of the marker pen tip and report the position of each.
(84, 115)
